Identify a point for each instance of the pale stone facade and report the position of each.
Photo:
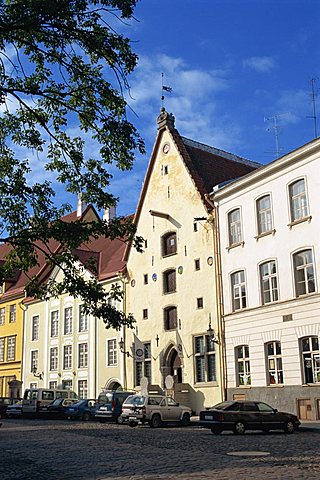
(270, 250)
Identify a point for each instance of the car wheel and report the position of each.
(289, 427)
(216, 430)
(185, 420)
(86, 416)
(239, 428)
(102, 420)
(155, 421)
(119, 420)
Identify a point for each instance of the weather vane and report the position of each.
(164, 88)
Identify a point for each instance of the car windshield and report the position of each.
(56, 402)
(78, 404)
(135, 400)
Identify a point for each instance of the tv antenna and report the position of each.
(314, 106)
(276, 128)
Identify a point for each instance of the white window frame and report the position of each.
(238, 286)
(2, 315)
(67, 357)
(271, 279)
(234, 227)
(83, 320)
(2, 349)
(12, 313)
(83, 355)
(274, 364)
(305, 267)
(204, 351)
(83, 388)
(112, 352)
(34, 360)
(68, 320)
(35, 327)
(298, 202)
(11, 348)
(244, 360)
(53, 359)
(54, 323)
(264, 215)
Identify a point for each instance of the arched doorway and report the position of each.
(172, 364)
(113, 385)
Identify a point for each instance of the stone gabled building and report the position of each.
(172, 286)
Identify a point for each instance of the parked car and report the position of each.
(239, 416)
(57, 408)
(37, 399)
(109, 405)
(82, 410)
(154, 410)
(5, 402)
(14, 410)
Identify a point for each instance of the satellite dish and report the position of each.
(169, 382)
(144, 386)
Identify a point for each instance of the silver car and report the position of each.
(154, 410)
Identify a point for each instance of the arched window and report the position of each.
(264, 214)
(310, 359)
(169, 244)
(234, 225)
(243, 365)
(298, 200)
(239, 294)
(269, 282)
(274, 363)
(304, 272)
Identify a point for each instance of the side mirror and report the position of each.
(275, 410)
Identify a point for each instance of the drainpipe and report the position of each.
(219, 298)
(124, 357)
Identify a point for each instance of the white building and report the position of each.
(269, 224)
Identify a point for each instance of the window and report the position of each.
(67, 357)
(67, 320)
(2, 349)
(35, 328)
(197, 264)
(165, 170)
(243, 365)
(264, 214)
(2, 315)
(298, 200)
(83, 320)
(12, 315)
(200, 302)
(53, 384)
(67, 384)
(83, 388)
(311, 359)
(33, 385)
(54, 358)
(303, 272)
(145, 279)
(195, 226)
(143, 369)
(54, 323)
(34, 360)
(145, 314)
(169, 281)
(11, 348)
(83, 355)
(169, 244)
(112, 353)
(204, 359)
(269, 282)
(234, 223)
(239, 295)
(170, 318)
(274, 363)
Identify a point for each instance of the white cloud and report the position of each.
(260, 64)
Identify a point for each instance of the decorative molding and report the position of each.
(272, 336)
(308, 330)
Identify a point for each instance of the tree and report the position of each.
(63, 68)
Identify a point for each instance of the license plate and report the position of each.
(208, 417)
(132, 418)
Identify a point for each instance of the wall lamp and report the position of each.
(37, 374)
(211, 334)
(122, 350)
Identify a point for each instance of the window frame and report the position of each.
(83, 320)
(277, 371)
(144, 369)
(83, 390)
(112, 353)
(169, 281)
(67, 357)
(299, 196)
(243, 299)
(304, 267)
(53, 359)
(265, 213)
(2, 315)
(268, 277)
(83, 355)
(2, 349)
(12, 313)
(167, 321)
(204, 371)
(54, 322)
(34, 360)
(35, 328)
(166, 249)
(235, 234)
(68, 321)
(11, 349)
(244, 360)
(313, 359)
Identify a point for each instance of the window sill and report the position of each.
(311, 384)
(300, 220)
(168, 293)
(206, 384)
(265, 234)
(169, 255)
(234, 245)
(247, 387)
(276, 385)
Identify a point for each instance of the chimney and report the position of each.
(81, 205)
(109, 213)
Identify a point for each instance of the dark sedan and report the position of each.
(57, 408)
(239, 416)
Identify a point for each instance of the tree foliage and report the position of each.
(63, 70)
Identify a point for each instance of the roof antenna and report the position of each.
(276, 129)
(314, 105)
(164, 88)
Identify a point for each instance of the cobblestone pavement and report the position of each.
(46, 450)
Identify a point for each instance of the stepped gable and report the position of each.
(209, 166)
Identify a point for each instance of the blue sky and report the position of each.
(231, 64)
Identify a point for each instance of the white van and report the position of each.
(34, 399)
